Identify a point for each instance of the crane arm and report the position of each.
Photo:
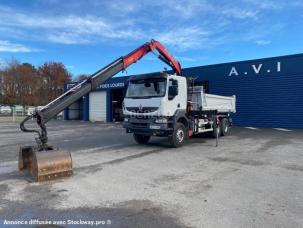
(75, 93)
(163, 55)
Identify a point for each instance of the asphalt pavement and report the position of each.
(254, 178)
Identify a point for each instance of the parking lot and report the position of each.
(253, 179)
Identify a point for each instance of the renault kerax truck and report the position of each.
(166, 105)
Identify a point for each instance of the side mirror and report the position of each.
(172, 92)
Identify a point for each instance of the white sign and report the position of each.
(111, 85)
(103, 86)
(255, 68)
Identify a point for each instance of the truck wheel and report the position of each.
(141, 139)
(224, 127)
(179, 135)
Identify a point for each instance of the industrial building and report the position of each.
(269, 92)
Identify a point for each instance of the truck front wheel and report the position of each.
(141, 139)
(179, 135)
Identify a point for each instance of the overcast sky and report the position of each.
(86, 35)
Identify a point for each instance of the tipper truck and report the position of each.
(167, 105)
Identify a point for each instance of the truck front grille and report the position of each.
(140, 125)
(142, 109)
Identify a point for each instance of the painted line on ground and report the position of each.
(96, 149)
(282, 129)
(251, 128)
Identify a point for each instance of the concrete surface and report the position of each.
(253, 179)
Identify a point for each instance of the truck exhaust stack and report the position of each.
(48, 164)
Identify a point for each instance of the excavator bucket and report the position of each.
(44, 165)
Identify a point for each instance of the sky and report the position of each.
(87, 35)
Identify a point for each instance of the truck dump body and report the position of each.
(208, 102)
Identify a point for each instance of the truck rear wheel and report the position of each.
(224, 127)
(141, 139)
(179, 135)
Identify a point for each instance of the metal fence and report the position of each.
(17, 117)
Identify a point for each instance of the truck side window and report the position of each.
(172, 89)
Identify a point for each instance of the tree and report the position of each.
(54, 75)
(81, 77)
(30, 84)
(20, 82)
(7, 83)
(23, 84)
(1, 87)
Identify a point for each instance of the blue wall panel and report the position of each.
(66, 111)
(109, 110)
(268, 95)
(85, 107)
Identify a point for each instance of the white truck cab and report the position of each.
(155, 95)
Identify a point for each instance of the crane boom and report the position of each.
(83, 88)
(164, 55)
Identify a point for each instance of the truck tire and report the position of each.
(141, 139)
(224, 127)
(179, 135)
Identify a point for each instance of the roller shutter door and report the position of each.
(97, 106)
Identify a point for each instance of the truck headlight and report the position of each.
(126, 119)
(161, 120)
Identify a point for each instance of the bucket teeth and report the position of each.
(47, 164)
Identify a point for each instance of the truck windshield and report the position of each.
(146, 88)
